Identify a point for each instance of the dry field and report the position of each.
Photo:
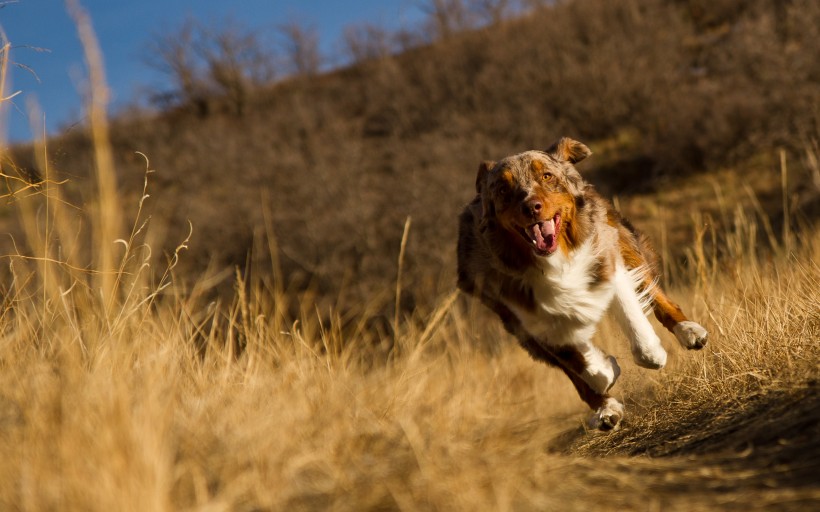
(123, 389)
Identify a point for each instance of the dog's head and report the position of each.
(533, 195)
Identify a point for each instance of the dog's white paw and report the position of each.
(649, 354)
(608, 416)
(691, 335)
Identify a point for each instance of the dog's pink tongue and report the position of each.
(544, 234)
(548, 235)
(539, 238)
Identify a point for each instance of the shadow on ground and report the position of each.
(763, 451)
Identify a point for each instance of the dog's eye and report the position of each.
(547, 176)
(503, 192)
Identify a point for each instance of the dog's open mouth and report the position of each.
(544, 235)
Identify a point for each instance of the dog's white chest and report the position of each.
(568, 301)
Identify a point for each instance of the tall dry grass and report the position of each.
(121, 390)
(167, 402)
(164, 401)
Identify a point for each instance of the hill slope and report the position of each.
(329, 168)
(137, 387)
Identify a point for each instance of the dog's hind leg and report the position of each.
(607, 411)
(591, 373)
(690, 335)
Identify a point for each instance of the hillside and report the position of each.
(262, 362)
(327, 169)
(168, 402)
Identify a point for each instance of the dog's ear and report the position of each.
(484, 169)
(568, 150)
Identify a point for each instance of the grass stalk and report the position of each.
(108, 217)
(402, 248)
(784, 187)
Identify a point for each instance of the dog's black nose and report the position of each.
(532, 207)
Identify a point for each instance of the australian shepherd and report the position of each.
(550, 256)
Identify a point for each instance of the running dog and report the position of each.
(550, 256)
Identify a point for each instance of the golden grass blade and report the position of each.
(108, 217)
(402, 248)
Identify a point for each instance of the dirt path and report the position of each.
(762, 454)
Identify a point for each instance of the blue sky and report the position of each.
(125, 28)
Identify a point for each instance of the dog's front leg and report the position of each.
(690, 335)
(647, 350)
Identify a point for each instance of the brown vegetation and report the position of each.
(333, 165)
(128, 384)
(165, 402)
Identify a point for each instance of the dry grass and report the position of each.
(150, 398)
(166, 402)
(120, 389)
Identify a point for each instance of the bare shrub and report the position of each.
(367, 42)
(202, 62)
(300, 44)
(236, 62)
(492, 12)
(749, 85)
(173, 54)
(447, 17)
